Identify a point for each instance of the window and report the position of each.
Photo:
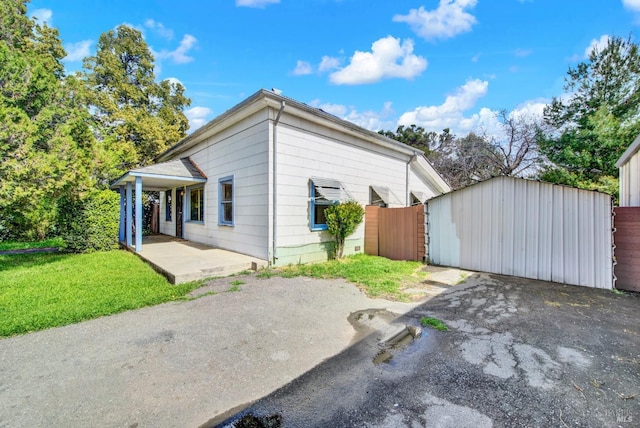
(324, 192)
(167, 204)
(225, 210)
(196, 204)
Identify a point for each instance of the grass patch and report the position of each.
(48, 243)
(38, 291)
(267, 273)
(377, 276)
(235, 285)
(433, 323)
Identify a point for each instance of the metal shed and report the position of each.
(525, 228)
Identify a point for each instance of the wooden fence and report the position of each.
(627, 247)
(395, 233)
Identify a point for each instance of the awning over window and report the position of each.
(331, 190)
(386, 195)
(419, 196)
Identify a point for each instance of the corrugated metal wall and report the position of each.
(524, 228)
(630, 182)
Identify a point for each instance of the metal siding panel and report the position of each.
(531, 229)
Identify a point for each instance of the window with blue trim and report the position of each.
(319, 203)
(196, 204)
(167, 204)
(225, 194)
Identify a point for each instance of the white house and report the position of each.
(256, 180)
(629, 165)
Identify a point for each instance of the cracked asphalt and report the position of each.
(518, 353)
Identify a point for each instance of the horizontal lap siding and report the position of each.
(524, 228)
(306, 150)
(242, 151)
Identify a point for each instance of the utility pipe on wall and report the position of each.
(274, 161)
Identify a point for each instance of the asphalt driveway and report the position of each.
(182, 363)
(518, 353)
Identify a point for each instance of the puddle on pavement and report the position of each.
(252, 421)
(396, 343)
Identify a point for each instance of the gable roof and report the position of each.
(165, 175)
(631, 150)
(264, 98)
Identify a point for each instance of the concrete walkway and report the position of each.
(183, 261)
(179, 364)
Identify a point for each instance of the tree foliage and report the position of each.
(597, 121)
(43, 135)
(342, 220)
(62, 136)
(136, 117)
(466, 160)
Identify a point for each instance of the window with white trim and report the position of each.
(225, 194)
(324, 193)
(383, 197)
(196, 204)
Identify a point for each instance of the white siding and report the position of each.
(630, 182)
(241, 151)
(306, 150)
(524, 228)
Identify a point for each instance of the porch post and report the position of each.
(138, 214)
(129, 212)
(122, 196)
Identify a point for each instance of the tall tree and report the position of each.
(515, 149)
(44, 138)
(136, 117)
(597, 120)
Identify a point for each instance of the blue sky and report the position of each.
(377, 63)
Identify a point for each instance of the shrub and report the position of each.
(90, 223)
(342, 220)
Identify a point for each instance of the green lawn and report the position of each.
(377, 276)
(38, 291)
(12, 245)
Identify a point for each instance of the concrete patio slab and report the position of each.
(183, 261)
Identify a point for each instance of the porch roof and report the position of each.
(165, 175)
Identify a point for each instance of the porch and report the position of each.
(183, 261)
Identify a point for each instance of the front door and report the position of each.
(179, 210)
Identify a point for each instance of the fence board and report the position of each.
(395, 233)
(627, 251)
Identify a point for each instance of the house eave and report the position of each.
(631, 150)
(263, 99)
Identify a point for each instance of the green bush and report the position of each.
(90, 223)
(342, 220)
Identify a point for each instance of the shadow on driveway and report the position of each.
(518, 353)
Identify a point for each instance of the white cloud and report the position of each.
(448, 20)
(633, 5)
(174, 81)
(372, 120)
(597, 45)
(42, 16)
(78, 51)
(533, 109)
(159, 28)
(328, 63)
(261, 4)
(450, 114)
(302, 68)
(476, 57)
(197, 117)
(179, 55)
(387, 59)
